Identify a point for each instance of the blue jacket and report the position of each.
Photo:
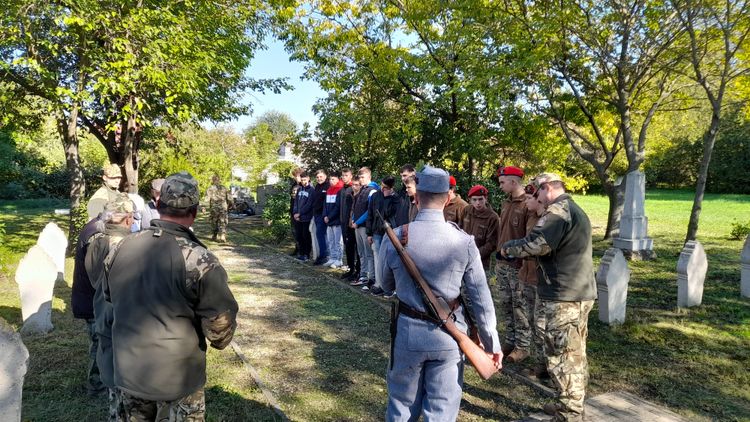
(303, 204)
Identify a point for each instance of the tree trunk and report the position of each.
(616, 195)
(700, 185)
(68, 129)
(129, 154)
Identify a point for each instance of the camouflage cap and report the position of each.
(112, 170)
(119, 205)
(180, 190)
(548, 177)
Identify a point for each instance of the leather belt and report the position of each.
(413, 313)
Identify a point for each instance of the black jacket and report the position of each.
(346, 200)
(319, 198)
(82, 293)
(169, 294)
(380, 203)
(400, 204)
(303, 205)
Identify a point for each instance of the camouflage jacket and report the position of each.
(561, 240)
(169, 294)
(218, 198)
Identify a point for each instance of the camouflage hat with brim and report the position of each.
(112, 170)
(121, 204)
(180, 190)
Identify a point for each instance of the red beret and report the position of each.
(509, 171)
(477, 190)
(452, 181)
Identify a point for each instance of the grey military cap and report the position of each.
(180, 190)
(433, 179)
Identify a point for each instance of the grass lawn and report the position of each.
(695, 361)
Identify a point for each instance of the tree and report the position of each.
(426, 58)
(604, 70)
(117, 67)
(717, 35)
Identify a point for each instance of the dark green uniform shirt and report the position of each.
(562, 241)
(169, 294)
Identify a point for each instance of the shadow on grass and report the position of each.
(228, 406)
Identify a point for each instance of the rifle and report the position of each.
(439, 308)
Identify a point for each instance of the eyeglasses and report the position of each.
(530, 189)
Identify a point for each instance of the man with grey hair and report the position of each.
(150, 212)
(117, 218)
(561, 241)
(169, 295)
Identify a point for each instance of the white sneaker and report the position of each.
(328, 263)
(344, 268)
(337, 264)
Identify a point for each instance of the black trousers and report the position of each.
(303, 237)
(350, 247)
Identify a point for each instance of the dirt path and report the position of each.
(321, 347)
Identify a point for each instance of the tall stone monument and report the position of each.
(36, 275)
(633, 239)
(745, 269)
(691, 273)
(612, 283)
(52, 239)
(14, 359)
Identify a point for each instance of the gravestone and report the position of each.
(691, 273)
(612, 283)
(36, 275)
(633, 239)
(745, 269)
(53, 241)
(315, 252)
(14, 358)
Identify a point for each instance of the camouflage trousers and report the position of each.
(566, 329)
(116, 410)
(191, 408)
(538, 321)
(219, 220)
(512, 298)
(93, 379)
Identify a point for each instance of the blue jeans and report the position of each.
(320, 235)
(377, 239)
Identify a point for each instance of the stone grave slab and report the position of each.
(633, 239)
(36, 275)
(691, 274)
(14, 359)
(612, 280)
(52, 239)
(745, 269)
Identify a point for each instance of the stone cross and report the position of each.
(745, 269)
(691, 273)
(612, 283)
(633, 238)
(36, 275)
(14, 358)
(53, 241)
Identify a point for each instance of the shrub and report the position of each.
(276, 212)
(739, 231)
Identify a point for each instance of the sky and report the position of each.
(274, 63)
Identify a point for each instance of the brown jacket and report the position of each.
(454, 210)
(483, 225)
(513, 217)
(527, 273)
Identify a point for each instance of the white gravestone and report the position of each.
(612, 283)
(691, 273)
(633, 238)
(745, 269)
(315, 252)
(36, 275)
(53, 241)
(14, 358)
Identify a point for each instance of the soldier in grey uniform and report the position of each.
(426, 372)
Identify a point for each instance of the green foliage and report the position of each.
(276, 213)
(739, 231)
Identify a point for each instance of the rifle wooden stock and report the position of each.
(474, 353)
